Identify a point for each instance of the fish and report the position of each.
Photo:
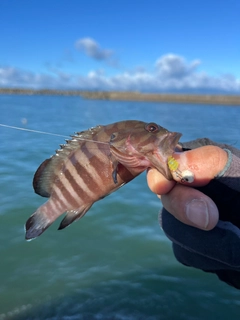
(93, 164)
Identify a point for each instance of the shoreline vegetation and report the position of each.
(132, 96)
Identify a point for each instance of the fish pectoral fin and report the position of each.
(115, 164)
(73, 215)
(115, 171)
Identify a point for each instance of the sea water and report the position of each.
(116, 262)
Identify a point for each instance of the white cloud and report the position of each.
(171, 73)
(173, 66)
(13, 77)
(92, 49)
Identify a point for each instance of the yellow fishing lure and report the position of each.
(184, 176)
(172, 164)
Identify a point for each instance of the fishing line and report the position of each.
(30, 130)
(51, 134)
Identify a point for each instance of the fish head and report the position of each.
(149, 143)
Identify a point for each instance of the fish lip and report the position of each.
(166, 148)
(169, 143)
(173, 145)
(175, 140)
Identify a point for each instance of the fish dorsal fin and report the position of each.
(49, 169)
(87, 134)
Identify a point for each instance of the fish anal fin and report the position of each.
(73, 215)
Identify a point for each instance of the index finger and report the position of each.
(158, 183)
(204, 162)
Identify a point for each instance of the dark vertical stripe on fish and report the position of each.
(94, 167)
(80, 191)
(143, 142)
(89, 184)
(66, 194)
(78, 175)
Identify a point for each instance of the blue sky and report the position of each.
(149, 45)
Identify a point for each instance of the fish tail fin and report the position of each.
(73, 215)
(37, 224)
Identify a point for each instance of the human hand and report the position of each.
(185, 203)
(196, 207)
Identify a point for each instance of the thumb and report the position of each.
(191, 207)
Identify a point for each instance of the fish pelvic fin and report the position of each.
(74, 215)
(36, 224)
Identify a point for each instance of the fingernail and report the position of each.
(197, 213)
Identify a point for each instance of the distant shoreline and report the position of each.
(133, 96)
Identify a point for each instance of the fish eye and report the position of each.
(152, 127)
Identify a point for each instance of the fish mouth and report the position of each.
(174, 137)
(169, 143)
(165, 150)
